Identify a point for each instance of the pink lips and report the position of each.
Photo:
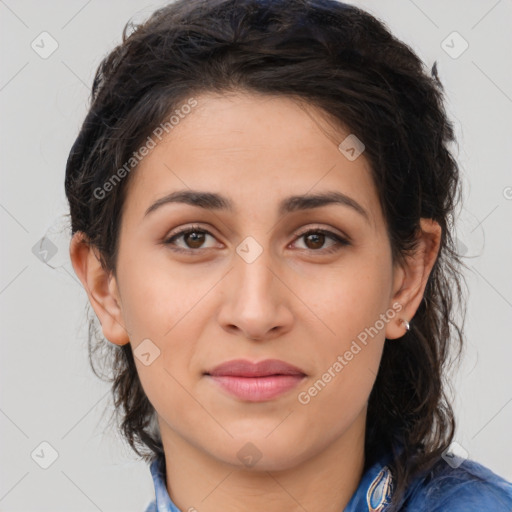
(256, 382)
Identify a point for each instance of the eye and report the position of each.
(315, 239)
(194, 238)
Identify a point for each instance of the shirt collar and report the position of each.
(163, 502)
(375, 489)
(372, 495)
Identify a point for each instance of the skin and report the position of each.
(295, 302)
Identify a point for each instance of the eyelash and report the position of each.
(341, 242)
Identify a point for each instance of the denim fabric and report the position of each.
(470, 487)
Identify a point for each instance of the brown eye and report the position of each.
(314, 240)
(193, 238)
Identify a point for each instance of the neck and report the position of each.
(324, 481)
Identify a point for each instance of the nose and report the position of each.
(257, 300)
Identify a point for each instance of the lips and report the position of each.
(256, 382)
(243, 368)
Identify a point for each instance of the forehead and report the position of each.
(255, 149)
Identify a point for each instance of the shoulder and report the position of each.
(469, 487)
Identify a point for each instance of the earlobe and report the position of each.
(396, 327)
(411, 278)
(101, 288)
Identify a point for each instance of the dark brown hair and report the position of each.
(345, 62)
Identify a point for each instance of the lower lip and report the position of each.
(258, 389)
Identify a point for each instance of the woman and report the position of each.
(262, 196)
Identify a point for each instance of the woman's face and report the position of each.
(249, 284)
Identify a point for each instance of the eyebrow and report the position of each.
(214, 201)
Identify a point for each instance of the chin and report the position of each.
(260, 453)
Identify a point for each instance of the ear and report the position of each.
(410, 279)
(101, 288)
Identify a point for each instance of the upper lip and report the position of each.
(244, 368)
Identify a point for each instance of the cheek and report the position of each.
(341, 388)
(352, 304)
(157, 297)
(350, 298)
(164, 306)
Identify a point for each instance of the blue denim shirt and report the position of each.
(470, 487)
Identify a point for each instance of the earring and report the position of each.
(406, 324)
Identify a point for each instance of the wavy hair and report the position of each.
(346, 62)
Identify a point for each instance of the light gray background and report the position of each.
(48, 392)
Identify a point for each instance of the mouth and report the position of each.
(256, 382)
